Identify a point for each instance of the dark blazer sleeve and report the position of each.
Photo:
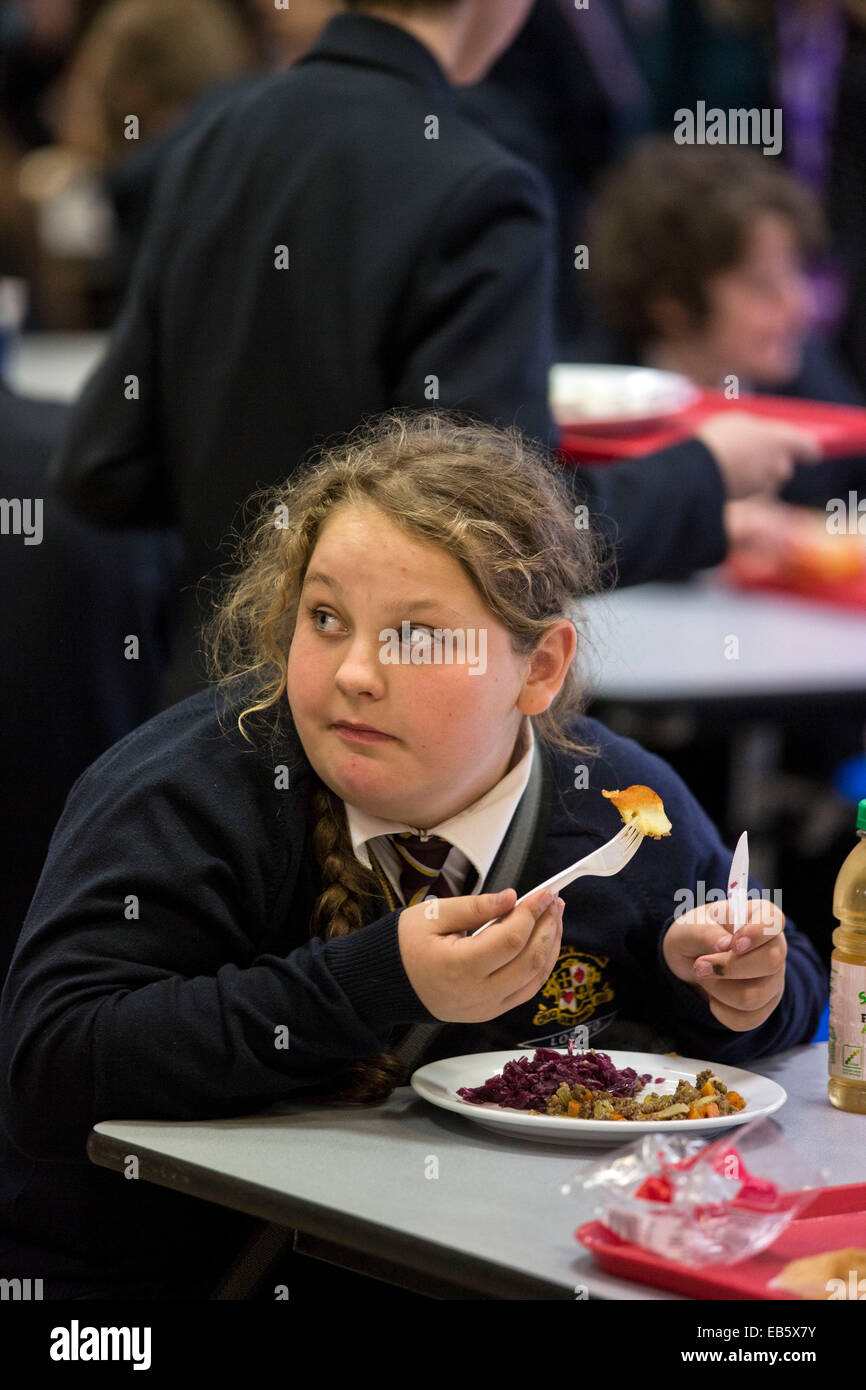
(110, 468)
(661, 516)
(481, 303)
(138, 986)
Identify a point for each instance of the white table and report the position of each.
(494, 1221)
(673, 642)
(53, 366)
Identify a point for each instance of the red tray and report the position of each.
(834, 1220)
(841, 429)
(841, 593)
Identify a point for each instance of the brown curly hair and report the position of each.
(670, 216)
(488, 496)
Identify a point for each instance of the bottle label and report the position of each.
(848, 1021)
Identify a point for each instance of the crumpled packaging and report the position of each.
(703, 1202)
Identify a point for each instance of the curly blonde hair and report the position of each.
(489, 497)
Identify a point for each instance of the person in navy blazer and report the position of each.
(339, 240)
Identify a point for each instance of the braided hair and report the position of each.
(337, 911)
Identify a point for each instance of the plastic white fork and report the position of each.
(601, 863)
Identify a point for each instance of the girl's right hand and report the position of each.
(463, 980)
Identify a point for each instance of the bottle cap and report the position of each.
(861, 815)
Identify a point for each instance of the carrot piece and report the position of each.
(711, 1111)
(736, 1100)
(574, 1109)
(694, 1113)
(707, 1089)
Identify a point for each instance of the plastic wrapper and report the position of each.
(703, 1202)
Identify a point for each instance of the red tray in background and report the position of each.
(834, 1220)
(841, 429)
(841, 593)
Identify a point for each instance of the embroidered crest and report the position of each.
(575, 989)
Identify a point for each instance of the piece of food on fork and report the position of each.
(642, 807)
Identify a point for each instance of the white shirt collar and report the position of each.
(477, 832)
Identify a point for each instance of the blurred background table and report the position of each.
(53, 366)
(661, 643)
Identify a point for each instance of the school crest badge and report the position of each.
(575, 990)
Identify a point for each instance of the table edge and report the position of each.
(487, 1277)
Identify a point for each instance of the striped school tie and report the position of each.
(421, 866)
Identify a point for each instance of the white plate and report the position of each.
(615, 400)
(439, 1081)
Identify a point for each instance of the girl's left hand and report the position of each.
(742, 977)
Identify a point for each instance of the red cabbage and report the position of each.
(525, 1084)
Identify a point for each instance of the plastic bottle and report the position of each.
(847, 1085)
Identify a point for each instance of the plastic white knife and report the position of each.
(738, 882)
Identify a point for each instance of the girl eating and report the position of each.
(265, 893)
